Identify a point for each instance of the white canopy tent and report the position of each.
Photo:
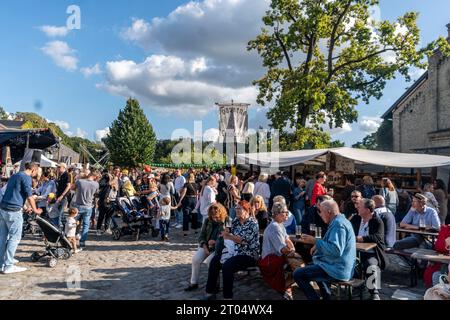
(45, 163)
(381, 158)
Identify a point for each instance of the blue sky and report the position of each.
(178, 65)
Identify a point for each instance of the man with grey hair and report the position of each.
(369, 228)
(390, 227)
(418, 213)
(334, 256)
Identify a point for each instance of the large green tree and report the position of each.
(382, 139)
(3, 114)
(323, 57)
(131, 140)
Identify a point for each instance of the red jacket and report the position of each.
(318, 190)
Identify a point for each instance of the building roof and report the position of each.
(388, 113)
(11, 124)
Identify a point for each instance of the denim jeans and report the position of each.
(303, 277)
(232, 265)
(84, 216)
(298, 213)
(232, 212)
(61, 207)
(164, 227)
(189, 204)
(11, 223)
(179, 216)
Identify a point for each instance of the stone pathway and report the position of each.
(146, 269)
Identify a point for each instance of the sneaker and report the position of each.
(178, 226)
(78, 250)
(166, 238)
(14, 269)
(374, 296)
(108, 232)
(15, 261)
(191, 287)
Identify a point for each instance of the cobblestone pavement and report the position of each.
(147, 269)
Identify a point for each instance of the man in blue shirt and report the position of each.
(11, 215)
(419, 211)
(390, 227)
(334, 256)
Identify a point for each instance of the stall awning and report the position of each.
(381, 158)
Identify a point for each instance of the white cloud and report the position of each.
(62, 124)
(202, 57)
(211, 135)
(62, 55)
(89, 71)
(102, 133)
(54, 31)
(338, 131)
(163, 82)
(369, 125)
(80, 133)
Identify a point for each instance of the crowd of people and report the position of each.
(241, 221)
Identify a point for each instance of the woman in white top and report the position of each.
(207, 196)
(166, 188)
(262, 188)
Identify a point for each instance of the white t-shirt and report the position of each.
(165, 212)
(179, 183)
(71, 227)
(208, 197)
(262, 189)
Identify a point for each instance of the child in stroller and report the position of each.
(136, 220)
(57, 246)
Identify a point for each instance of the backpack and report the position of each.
(444, 233)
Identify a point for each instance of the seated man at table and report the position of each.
(390, 227)
(333, 256)
(418, 211)
(350, 207)
(276, 249)
(369, 228)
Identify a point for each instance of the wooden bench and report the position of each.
(349, 286)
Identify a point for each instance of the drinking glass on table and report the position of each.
(318, 233)
(298, 232)
(312, 229)
(422, 225)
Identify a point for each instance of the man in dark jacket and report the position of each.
(369, 228)
(281, 187)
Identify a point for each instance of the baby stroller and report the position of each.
(136, 219)
(57, 246)
(29, 225)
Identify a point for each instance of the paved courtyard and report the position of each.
(146, 269)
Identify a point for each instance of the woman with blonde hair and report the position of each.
(211, 229)
(259, 212)
(262, 188)
(233, 196)
(389, 193)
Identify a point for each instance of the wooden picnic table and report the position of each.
(365, 247)
(360, 246)
(430, 255)
(423, 233)
(427, 233)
